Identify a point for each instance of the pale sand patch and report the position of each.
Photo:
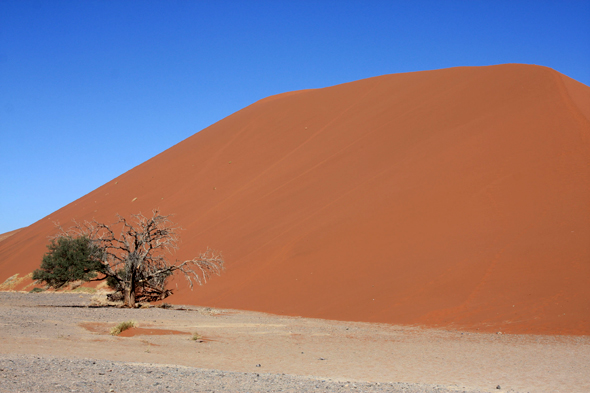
(345, 351)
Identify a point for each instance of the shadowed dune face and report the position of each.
(452, 198)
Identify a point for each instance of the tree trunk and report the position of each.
(129, 297)
(130, 288)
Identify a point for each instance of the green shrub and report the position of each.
(36, 290)
(113, 283)
(69, 259)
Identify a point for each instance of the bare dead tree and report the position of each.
(135, 255)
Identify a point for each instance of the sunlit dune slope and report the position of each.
(6, 235)
(452, 198)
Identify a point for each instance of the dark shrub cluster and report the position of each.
(70, 259)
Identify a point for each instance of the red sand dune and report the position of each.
(455, 198)
(6, 235)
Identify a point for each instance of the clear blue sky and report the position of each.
(90, 89)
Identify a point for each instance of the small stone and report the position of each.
(258, 365)
(498, 387)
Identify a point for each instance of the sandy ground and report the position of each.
(62, 326)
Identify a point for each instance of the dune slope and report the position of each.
(456, 198)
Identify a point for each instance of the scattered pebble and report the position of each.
(30, 373)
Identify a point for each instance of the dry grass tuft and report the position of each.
(103, 286)
(122, 327)
(12, 282)
(197, 337)
(84, 290)
(209, 311)
(99, 299)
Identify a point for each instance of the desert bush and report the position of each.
(115, 331)
(115, 283)
(37, 290)
(70, 259)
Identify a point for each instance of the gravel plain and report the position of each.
(26, 373)
(56, 342)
